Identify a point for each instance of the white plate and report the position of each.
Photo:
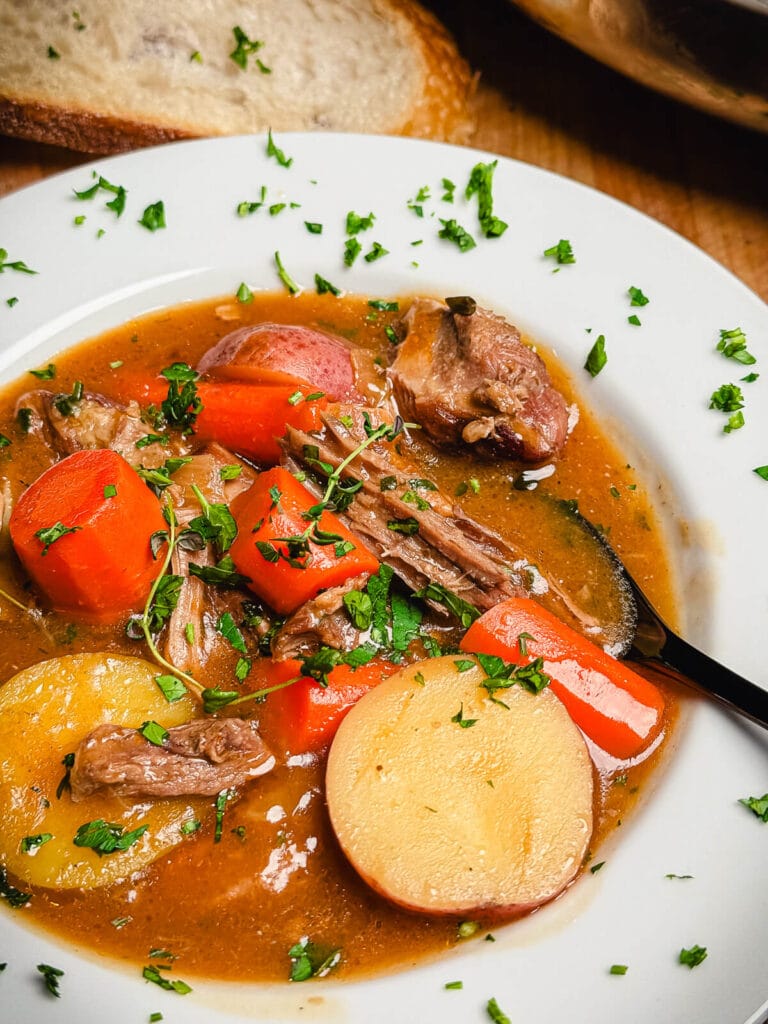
(655, 390)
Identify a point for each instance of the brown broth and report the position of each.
(233, 909)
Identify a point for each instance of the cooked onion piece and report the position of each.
(447, 817)
(45, 711)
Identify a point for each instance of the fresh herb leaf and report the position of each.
(450, 188)
(285, 277)
(453, 985)
(153, 218)
(693, 957)
(51, 977)
(181, 406)
(245, 48)
(562, 252)
(727, 398)
(221, 807)
(48, 373)
(758, 805)
(356, 223)
(190, 826)
(618, 969)
(164, 601)
(311, 961)
(230, 472)
(481, 184)
(214, 699)
(465, 723)
(634, 320)
(33, 843)
(454, 232)
(465, 612)
(171, 688)
(406, 619)
(323, 287)
(50, 534)
(227, 628)
(117, 205)
(597, 357)
(18, 265)
(110, 491)
(376, 252)
(168, 984)
(278, 154)
(154, 733)
(495, 1012)
(636, 297)
(67, 404)
(14, 897)
(313, 227)
(596, 867)
(733, 345)
(104, 837)
(223, 574)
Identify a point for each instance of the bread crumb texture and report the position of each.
(107, 77)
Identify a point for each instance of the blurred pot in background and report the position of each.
(712, 54)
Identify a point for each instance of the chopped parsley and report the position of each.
(221, 807)
(245, 48)
(14, 897)
(454, 232)
(18, 265)
(154, 733)
(596, 867)
(758, 805)
(636, 297)
(53, 54)
(278, 154)
(110, 491)
(31, 844)
(51, 977)
(733, 345)
(459, 719)
(407, 526)
(618, 969)
(47, 373)
(309, 960)
(449, 189)
(481, 184)
(104, 837)
(50, 534)
(462, 610)
(355, 223)
(376, 252)
(190, 826)
(313, 227)
(597, 358)
(562, 252)
(729, 398)
(153, 218)
(495, 1012)
(117, 204)
(227, 628)
(181, 406)
(634, 320)
(285, 277)
(323, 287)
(169, 984)
(171, 688)
(452, 986)
(230, 472)
(244, 293)
(693, 957)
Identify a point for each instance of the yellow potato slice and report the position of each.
(44, 713)
(446, 818)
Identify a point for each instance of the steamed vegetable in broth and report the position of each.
(246, 545)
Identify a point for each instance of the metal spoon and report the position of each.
(655, 641)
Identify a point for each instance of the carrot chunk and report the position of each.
(247, 418)
(290, 558)
(304, 716)
(619, 710)
(82, 531)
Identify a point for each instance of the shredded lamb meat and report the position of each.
(197, 759)
(467, 377)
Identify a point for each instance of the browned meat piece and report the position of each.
(94, 422)
(323, 620)
(468, 377)
(446, 547)
(193, 606)
(197, 759)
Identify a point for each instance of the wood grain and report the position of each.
(543, 102)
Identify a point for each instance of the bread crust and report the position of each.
(443, 109)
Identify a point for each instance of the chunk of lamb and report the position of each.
(322, 621)
(93, 421)
(200, 758)
(467, 377)
(448, 547)
(197, 605)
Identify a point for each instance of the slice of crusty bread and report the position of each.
(114, 75)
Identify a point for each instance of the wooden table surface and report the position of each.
(543, 102)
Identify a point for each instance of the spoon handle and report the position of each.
(656, 642)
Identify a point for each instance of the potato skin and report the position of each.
(492, 819)
(45, 711)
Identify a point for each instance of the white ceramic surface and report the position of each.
(552, 967)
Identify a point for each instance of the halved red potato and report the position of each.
(283, 353)
(447, 817)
